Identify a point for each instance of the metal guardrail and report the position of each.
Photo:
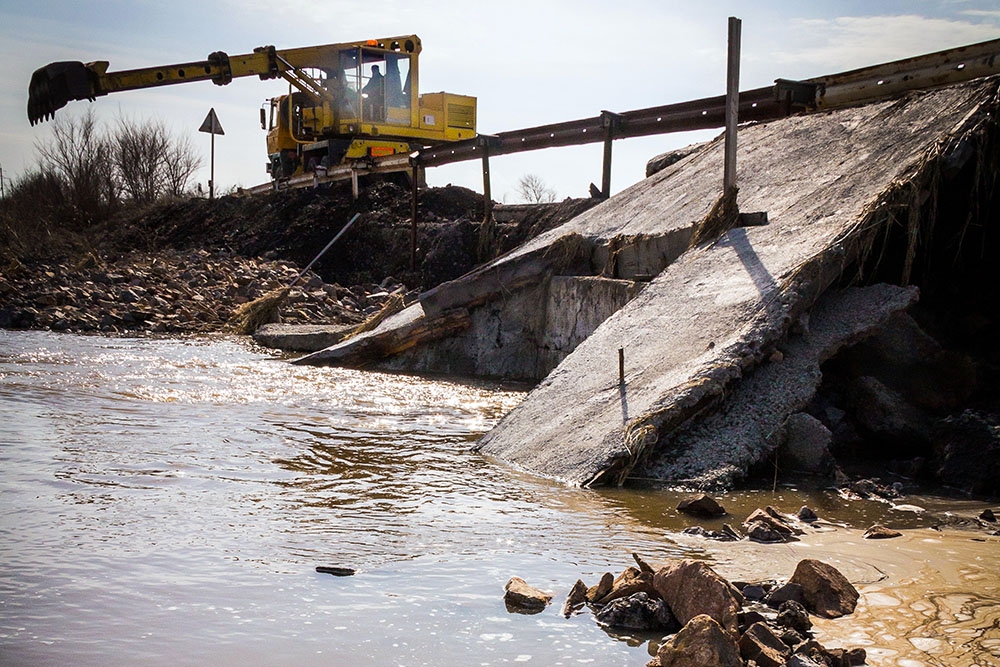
(760, 104)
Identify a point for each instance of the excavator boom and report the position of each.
(57, 84)
(348, 102)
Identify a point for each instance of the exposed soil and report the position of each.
(185, 265)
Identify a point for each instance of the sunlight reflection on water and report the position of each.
(166, 501)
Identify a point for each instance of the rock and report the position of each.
(857, 656)
(722, 536)
(701, 506)
(790, 637)
(700, 643)
(988, 515)
(577, 598)
(792, 614)
(754, 592)
(807, 444)
(638, 612)
(886, 414)
(764, 532)
(748, 617)
(691, 588)
(789, 591)
(879, 532)
(595, 593)
(799, 660)
(524, 599)
(768, 525)
(967, 447)
(643, 565)
(760, 644)
(826, 591)
(630, 581)
(807, 515)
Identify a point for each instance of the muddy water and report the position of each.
(167, 502)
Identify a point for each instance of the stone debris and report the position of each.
(702, 505)
(826, 591)
(524, 599)
(880, 532)
(171, 292)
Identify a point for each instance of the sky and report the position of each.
(529, 63)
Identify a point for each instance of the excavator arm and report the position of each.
(56, 84)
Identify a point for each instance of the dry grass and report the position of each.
(251, 316)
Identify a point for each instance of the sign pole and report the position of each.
(212, 125)
(211, 174)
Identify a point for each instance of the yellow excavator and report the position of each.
(347, 102)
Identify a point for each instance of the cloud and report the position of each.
(824, 46)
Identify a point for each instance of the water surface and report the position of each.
(166, 501)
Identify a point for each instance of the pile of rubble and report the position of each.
(171, 291)
(713, 621)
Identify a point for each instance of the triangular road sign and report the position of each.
(211, 124)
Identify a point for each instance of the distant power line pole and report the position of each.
(3, 192)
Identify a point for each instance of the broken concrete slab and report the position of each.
(401, 331)
(828, 182)
(301, 337)
(747, 428)
(520, 337)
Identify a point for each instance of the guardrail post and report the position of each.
(732, 102)
(487, 230)
(414, 183)
(611, 121)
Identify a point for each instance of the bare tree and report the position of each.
(534, 190)
(181, 163)
(80, 156)
(150, 163)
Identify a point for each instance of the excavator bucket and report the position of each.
(54, 85)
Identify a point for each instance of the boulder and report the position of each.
(880, 532)
(807, 515)
(700, 643)
(701, 506)
(524, 599)
(792, 614)
(603, 587)
(790, 591)
(886, 414)
(826, 591)
(722, 536)
(638, 612)
(799, 660)
(576, 598)
(760, 644)
(630, 581)
(769, 525)
(691, 588)
(807, 445)
(967, 447)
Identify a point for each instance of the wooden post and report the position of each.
(621, 366)
(732, 102)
